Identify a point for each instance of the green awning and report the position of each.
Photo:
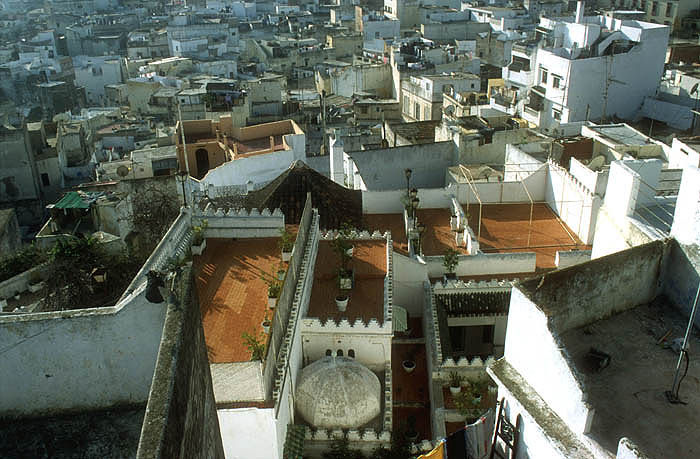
(72, 200)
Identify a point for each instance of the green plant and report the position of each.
(286, 242)
(450, 260)
(35, 278)
(342, 246)
(456, 379)
(255, 345)
(274, 286)
(340, 449)
(198, 232)
(26, 258)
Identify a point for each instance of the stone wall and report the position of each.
(181, 419)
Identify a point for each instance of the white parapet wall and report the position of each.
(240, 223)
(567, 258)
(84, 359)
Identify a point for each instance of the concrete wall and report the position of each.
(564, 259)
(572, 201)
(389, 202)
(10, 236)
(383, 169)
(682, 155)
(484, 263)
(241, 223)
(181, 419)
(529, 334)
(686, 219)
(80, 359)
(681, 277)
(595, 181)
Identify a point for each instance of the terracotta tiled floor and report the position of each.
(422, 417)
(409, 388)
(505, 228)
(366, 298)
(232, 296)
(392, 223)
(438, 236)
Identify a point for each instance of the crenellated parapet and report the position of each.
(314, 325)
(455, 286)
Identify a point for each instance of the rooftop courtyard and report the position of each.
(366, 297)
(628, 394)
(232, 293)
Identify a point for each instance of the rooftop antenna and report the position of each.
(672, 395)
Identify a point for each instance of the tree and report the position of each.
(153, 210)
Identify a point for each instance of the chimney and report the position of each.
(579, 12)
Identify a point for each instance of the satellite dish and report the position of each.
(122, 171)
(597, 163)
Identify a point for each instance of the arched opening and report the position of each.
(351, 353)
(339, 353)
(202, 157)
(329, 353)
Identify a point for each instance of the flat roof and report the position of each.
(367, 296)
(100, 433)
(506, 228)
(622, 134)
(232, 294)
(628, 395)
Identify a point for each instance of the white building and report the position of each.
(93, 73)
(583, 367)
(594, 68)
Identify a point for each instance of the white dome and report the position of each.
(338, 392)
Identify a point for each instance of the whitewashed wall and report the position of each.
(529, 335)
(572, 202)
(686, 220)
(484, 263)
(240, 223)
(249, 433)
(80, 359)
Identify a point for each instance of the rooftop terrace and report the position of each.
(628, 394)
(232, 294)
(367, 296)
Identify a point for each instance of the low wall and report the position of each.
(80, 359)
(20, 282)
(390, 202)
(564, 259)
(240, 223)
(484, 263)
(181, 419)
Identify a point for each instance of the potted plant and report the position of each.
(273, 292)
(450, 261)
(286, 244)
(344, 249)
(409, 365)
(266, 324)
(35, 282)
(199, 242)
(341, 300)
(456, 380)
(281, 272)
(255, 345)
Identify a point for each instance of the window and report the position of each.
(556, 81)
(351, 353)
(426, 112)
(543, 76)
(487, 334)
(376, 34)
(654, 8)
(363, 109)
(472, 85)
(416, 111)
(339, 353)
(406, 105)
(669, 8)
(329, 353)
(45, 179)
(556, 114)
